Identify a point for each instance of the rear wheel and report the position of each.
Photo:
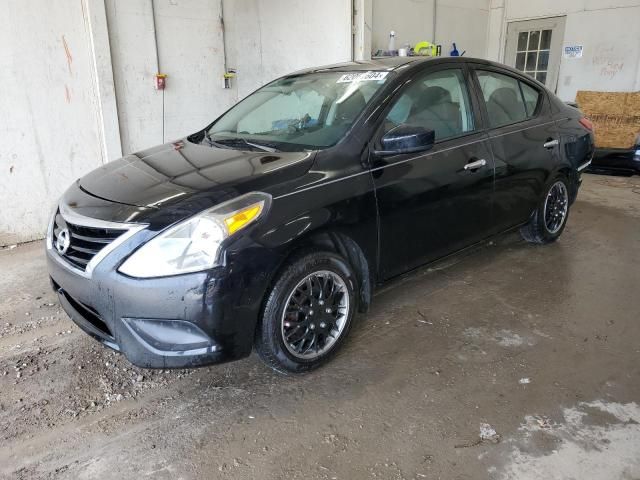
(308, 313)
(550, 217)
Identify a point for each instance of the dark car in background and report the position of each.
(272, 226)
(625, 161)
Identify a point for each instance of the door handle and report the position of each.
(475, 165)
(551, 143)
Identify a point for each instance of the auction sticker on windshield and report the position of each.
(362, 76)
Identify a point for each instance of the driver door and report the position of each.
(434, 202)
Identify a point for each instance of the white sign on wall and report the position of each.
(573, 51)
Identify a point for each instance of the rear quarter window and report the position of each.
(508, 99)
(532, 97)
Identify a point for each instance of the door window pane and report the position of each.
(541, 77)
(523, 37)
(437, 101)
(534, 40)
(545, 40)
(532, 57)
(543, 60)
(520, 56)
(502, 97)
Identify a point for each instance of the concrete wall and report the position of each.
(464, 22)
(78, 84)
(461, 21)
(270, 38)
(49, 123)
(609, 30)
(190, 52)
(412, 20)
(265, 39)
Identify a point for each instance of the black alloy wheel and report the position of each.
(556, 206)
(308, 313)
(548, 220)
(315, 314)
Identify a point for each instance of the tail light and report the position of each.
(586, 123)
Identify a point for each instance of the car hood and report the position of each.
(175, 171)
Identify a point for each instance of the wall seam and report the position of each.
(104, 84)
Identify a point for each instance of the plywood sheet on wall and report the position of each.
(615, 116)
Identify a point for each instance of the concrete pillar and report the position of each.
(362, 20)
(496, 30)
(103, 77)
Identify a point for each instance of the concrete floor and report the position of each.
(512, 361)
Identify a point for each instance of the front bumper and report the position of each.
(174, 322)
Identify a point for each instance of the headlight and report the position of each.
(194, 244)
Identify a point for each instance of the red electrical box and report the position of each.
(161, 81)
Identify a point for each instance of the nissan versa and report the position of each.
(272, 226)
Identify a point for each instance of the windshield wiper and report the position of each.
(234, 141)
(213, 143)
(266, 148)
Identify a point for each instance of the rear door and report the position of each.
(431, 203)
(523, 139)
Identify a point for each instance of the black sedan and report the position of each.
(271, 227)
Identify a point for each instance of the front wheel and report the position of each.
(550, 217)
(308, 313)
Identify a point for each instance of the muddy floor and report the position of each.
(510, 361)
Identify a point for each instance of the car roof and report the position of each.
(405, 64)
(386, 63)
(380, 63)
(390, 64)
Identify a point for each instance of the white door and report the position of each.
(535, 47)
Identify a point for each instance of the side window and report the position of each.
(503, 98)
(438, 101)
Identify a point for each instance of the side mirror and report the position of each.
(406, 139)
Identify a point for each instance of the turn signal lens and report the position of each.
(239, 220)
(586, 123)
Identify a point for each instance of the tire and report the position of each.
(327, 273)
(548, 220)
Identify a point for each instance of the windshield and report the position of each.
(311, 111)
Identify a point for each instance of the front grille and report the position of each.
(86, 242)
